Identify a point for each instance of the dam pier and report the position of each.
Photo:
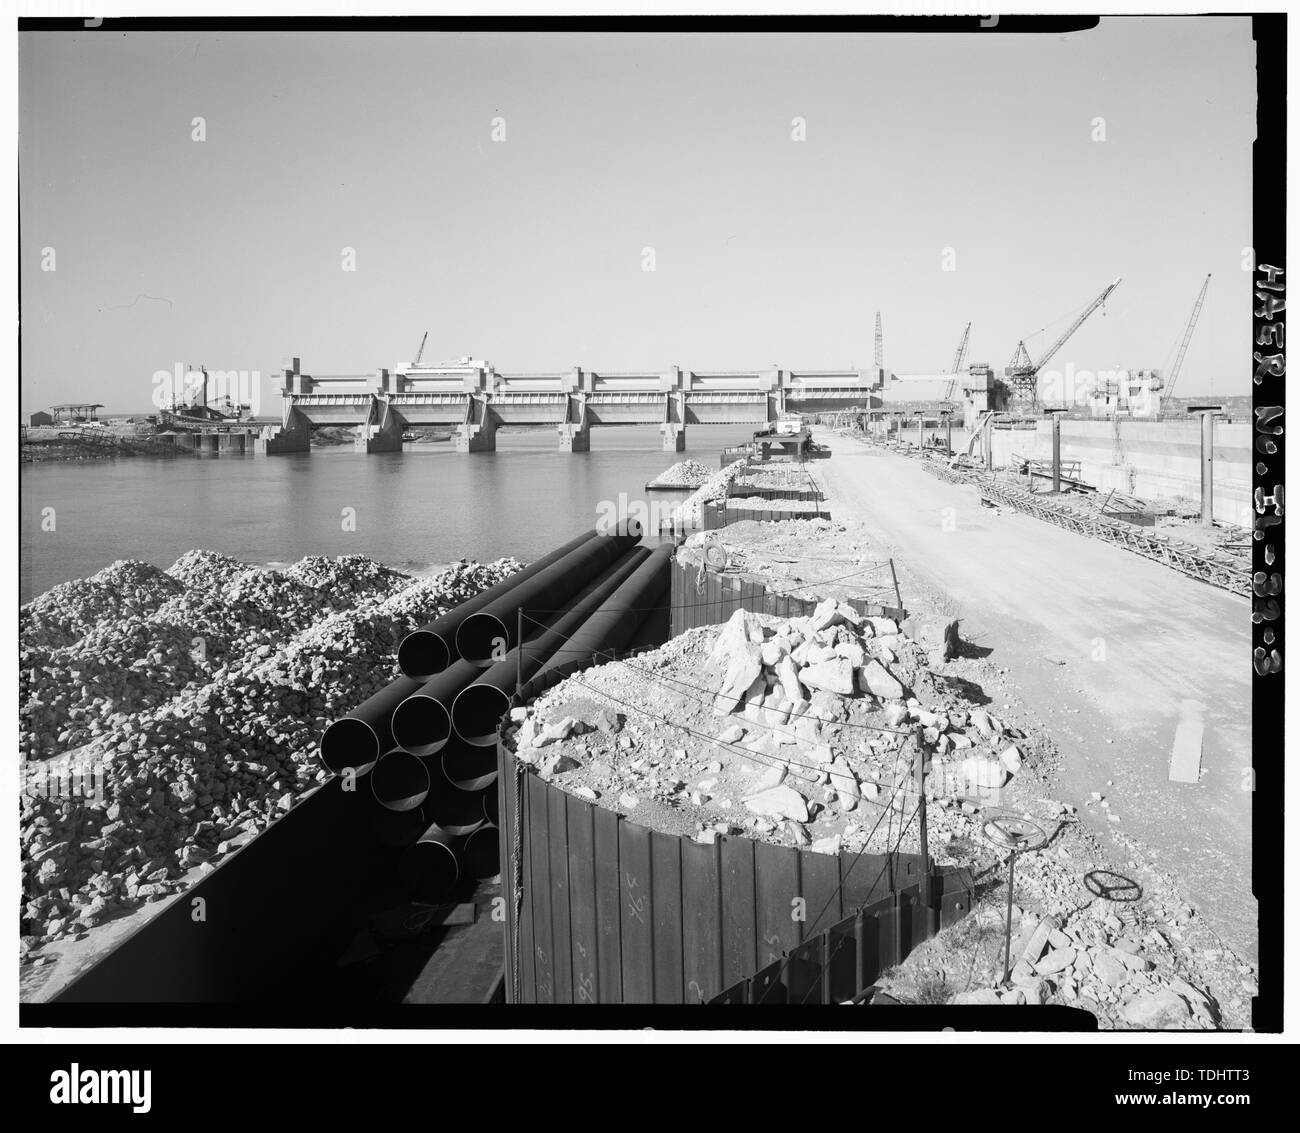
(473, 400)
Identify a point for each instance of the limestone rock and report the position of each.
(779, 802)
(876, 679)
(834, 675)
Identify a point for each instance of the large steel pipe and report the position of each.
(393, 829)
(611, 627)
(358, 739)
(400, 781)
(488, 633)
(431, 868)
(458, 812)
(421, 723)
(481, 854)
(468, 768)
(491, 807)
(431, 648)
(478, 708)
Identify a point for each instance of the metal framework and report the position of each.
(1218, 568)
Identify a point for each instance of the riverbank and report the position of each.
(167, 717)
(105, 445)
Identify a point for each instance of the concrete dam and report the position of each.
(473, 400)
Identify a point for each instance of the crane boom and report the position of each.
(1187, 337)
(1025, 367)
(420, 353)
(880, 344)
(961, 351)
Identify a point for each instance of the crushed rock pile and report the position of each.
(793, 731)
(762, 503)
(684, 474)
(789, 476)
(191, 702)
(800, 732)
(688, 513)
(814, 558)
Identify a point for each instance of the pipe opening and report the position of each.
(470, 770)
(458, 812)
(423, 654)
(349, 742)
(483, 639)
(421, 725)
(400, 781)
(476, 714)
(430, 869)
(482, 853)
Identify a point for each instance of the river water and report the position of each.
(412, 510)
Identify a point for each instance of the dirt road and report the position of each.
(1109, 649)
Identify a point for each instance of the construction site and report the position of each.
(807, 741)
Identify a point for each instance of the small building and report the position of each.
(39, 418)
(76, 413)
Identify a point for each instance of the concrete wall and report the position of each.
(1146, 458)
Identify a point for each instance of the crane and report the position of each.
(1023, 371)
(1187, 337)
(961, 351)
(880, 344)
(420, 353)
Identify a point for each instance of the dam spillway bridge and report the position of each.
(474, 401)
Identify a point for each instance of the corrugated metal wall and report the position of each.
(603, 910)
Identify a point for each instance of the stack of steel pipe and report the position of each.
(428, 748)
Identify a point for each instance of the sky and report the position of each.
(530, 251)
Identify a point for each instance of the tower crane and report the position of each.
(1187, 337)
(880, 344)
(961, 351)
(420, 353)
(1023, 371)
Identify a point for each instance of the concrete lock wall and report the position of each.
(1146, 458)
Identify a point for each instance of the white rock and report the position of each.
(779, 802)
(1011, 759)
(853, 653)
(831, 676)
(788, 675)
(874, 678)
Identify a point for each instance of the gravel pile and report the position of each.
(192, 700)
(684, 474)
